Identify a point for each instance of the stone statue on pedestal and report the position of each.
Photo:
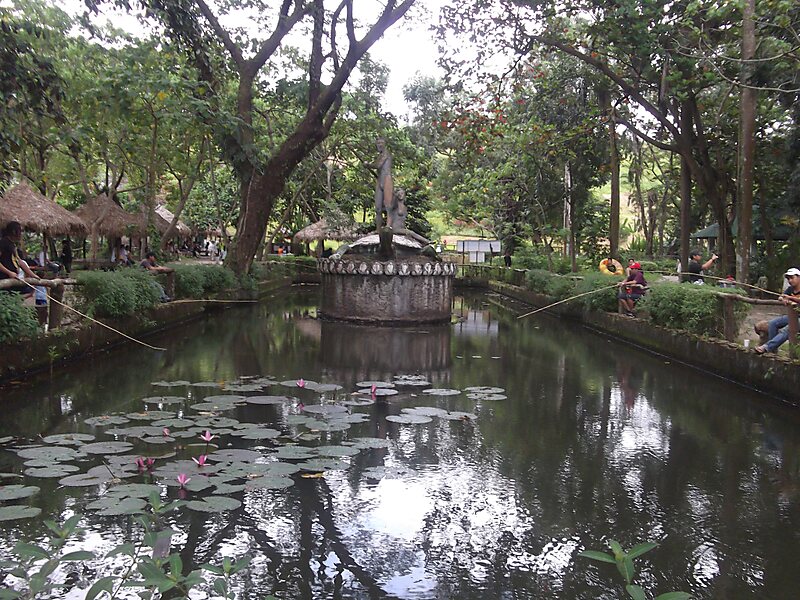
(384, 186)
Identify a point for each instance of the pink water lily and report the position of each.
(150, 462)
(206, 436)
(165, 431)
(201, 460)
(300, 406)
(140, 464)
(183, 479)
(301, 383)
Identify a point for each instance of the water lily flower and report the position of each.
(200, 460)
(165, 431)
(301, 383)
(150, 462)
(206, 436)
(300, 406)
(373, 389)
(183, 479)
(140, 464)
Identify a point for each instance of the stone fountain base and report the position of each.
(401, 291)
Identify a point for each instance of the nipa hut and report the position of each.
(38, 213)
(182, 230)
(321, 231)
(105, 217)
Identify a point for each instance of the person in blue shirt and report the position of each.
(778, 329)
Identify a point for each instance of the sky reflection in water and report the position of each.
(595, 440)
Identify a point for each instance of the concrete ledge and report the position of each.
(774, 375)
(73, 343)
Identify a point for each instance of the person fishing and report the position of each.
(696, 268)
(778, 328)
(633, 288)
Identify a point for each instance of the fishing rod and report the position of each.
(738, 283)
(602, 289)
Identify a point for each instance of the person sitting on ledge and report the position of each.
(11, 265)
(631, 289)
(778, 328)
(150, 264)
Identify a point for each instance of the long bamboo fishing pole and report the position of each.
(602, 289)
(738, 283)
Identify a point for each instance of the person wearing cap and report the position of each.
(631, 289)
(778, 328)
(696, 269)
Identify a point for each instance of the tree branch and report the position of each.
(224, 37)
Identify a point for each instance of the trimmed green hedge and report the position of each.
(117, 293)
(605, 300)
(693, 308)
(198, 281)
(16, 320)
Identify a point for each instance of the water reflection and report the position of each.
(595, 440)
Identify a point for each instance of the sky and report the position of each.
(407, 48)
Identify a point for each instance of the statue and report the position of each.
(396, 218)
(384, 186)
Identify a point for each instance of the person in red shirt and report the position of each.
(631, 289)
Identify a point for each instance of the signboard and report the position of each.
(476, 250)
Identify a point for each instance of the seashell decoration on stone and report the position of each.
(437, 269)
(350, 267)
(404, 269)
(427, 269)
(390, 268)
(416, 269)
(377, 268)
(363, 268)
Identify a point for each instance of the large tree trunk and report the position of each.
(748, 142)
(613, 233)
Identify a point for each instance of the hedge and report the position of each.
(693, 308)
(199, 281)
(16, 320)
(117, 293)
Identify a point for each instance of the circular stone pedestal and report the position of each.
(402, 291)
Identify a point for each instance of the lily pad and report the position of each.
(213, 406)
(257, 433)
(165, 400)
(337, 451)
(49, 454)
(370, 442)
(135, 490)
(357, 401)
(214, 504)
(177, 383)
(68, 439)
(212, 422)
(292, 383)
(324, 409)
(15, 492)
(410, 380)
(235, 454)
(228, 488)
(5, 439)
(323, 388)
(298, 419)
(104, 420)
(487, 397)
(206, 384)
(53, 472)
(426, 411)
(378, 392)
(441, 392)
(407, 419)
(85, 479)
(110, 506)
(316, 425)
(324, 464)
(150, 415)
(243, 387)
(107, 447)
(377, 384)
(460, 416)
(14, 512)
(482, 389)
(155, 439)
(269, 482)
(175, 423)
(294, 453)
(267, 399)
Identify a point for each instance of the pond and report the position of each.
(456, 493)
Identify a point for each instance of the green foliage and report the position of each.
(117, 293)
(537, 280)
(16, 320)
(693, 308)
(624, 561)
(560, 287)
(198, 281)
(605, 300)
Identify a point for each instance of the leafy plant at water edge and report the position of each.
(198, 281)
(118, 293)
(560, 287)
(537, 280)
(16, 319)
(624, 561)
(693, 308)
(605, 300)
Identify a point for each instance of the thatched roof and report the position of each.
(109, 218)
(37, 213)
(181, 228)
(321, 231)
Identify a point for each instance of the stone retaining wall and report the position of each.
(71, 343)
(774, 375)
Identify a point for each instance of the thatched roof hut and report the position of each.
(181, 228)
(38, 213)
(321, 231)
(104, 216)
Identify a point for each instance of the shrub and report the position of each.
(536, 280)
(560, 287)
(117, 293)
(693, 308)
(16, 320)
(198, 281)
(605, 300)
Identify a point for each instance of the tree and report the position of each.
(263, 173)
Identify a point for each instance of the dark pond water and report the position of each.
(595, 440)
